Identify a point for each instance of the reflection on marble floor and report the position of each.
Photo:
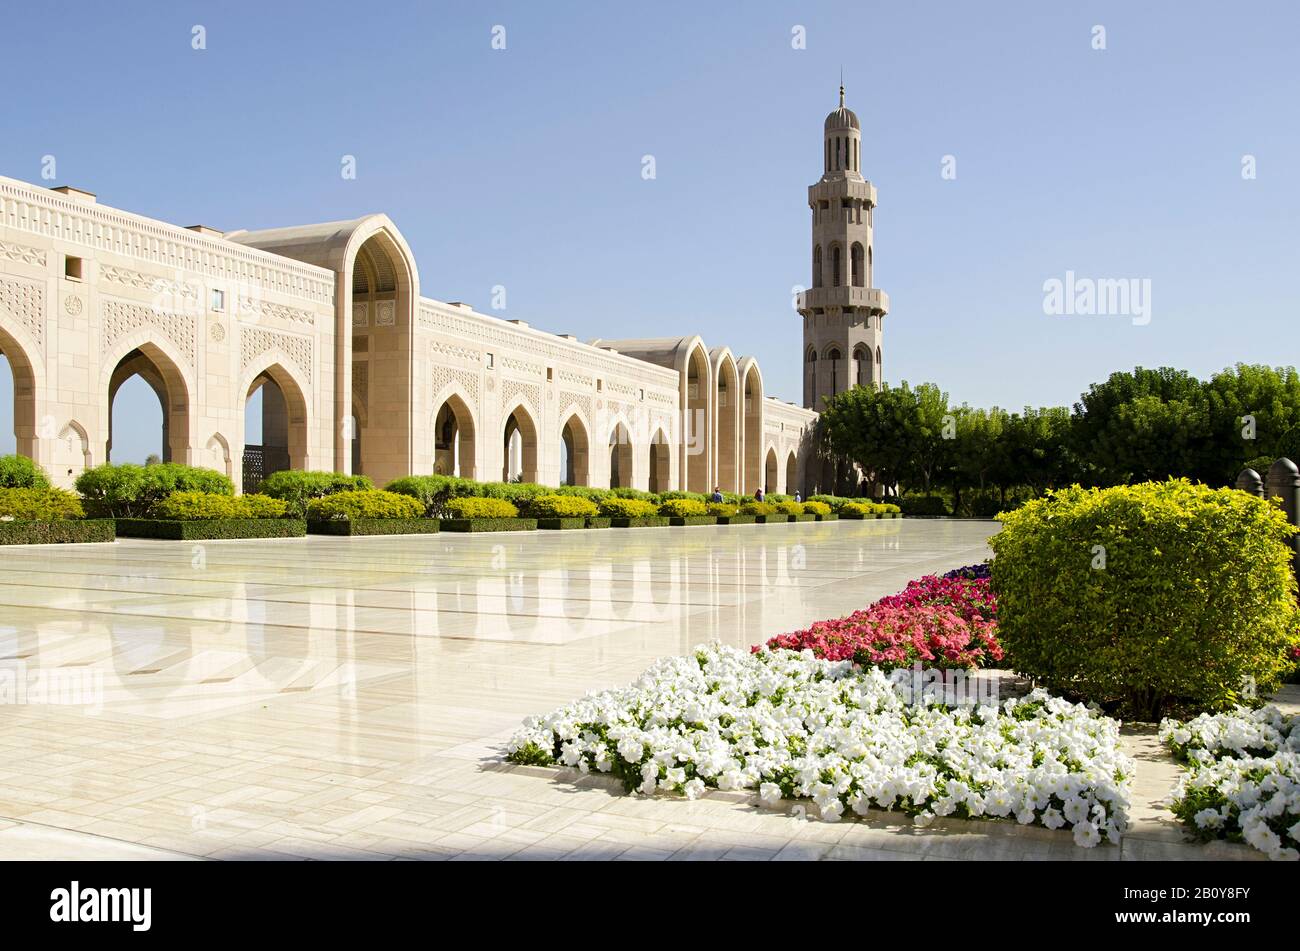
(338, 697)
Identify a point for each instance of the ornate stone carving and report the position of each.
(581, 400)
(122, 317)
(256, 308)
(439, 349)
(22, 254)
(255, 341)
(178, 293)
(442, 376)
(25, 300)
(72, 305)
(522, 366)
(360, 314)
(217, 332)
(513, 389)
(385, 313)
(361, 383)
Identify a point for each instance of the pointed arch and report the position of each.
(519, 444)
(660, 478)
(71, 453)
(751, 433)
(20, 349)
(575, 437)
(727, 421)
(770, 471)
(157, 360)
(286, 418)
(622, 455)
(219, 455)
(454, 433)
(697, 416)
(792, 473)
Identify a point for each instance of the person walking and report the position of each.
(758, 494)
(717, 495)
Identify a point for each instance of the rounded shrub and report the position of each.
(257, 505)
(789, 507)
(38, 504)
(683, 508)
(629, 493)
(480, 507)
(432, 491)
(560, 506)
(758, 508)
(128, 490)
(583, 492)
(207, 506)
(364, 503)
(1151, 599)
(834, 501)
(922, 506)
(812, 507)
(676, 494)
(19, 472)
(619, 507)
(721, 509)
(297, 487)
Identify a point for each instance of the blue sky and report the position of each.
(522, 167)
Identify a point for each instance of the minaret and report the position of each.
(842, 313)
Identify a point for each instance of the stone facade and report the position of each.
(360, 372)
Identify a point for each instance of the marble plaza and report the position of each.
(349, 698)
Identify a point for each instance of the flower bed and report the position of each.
(790, 726)
(942, 621)
(1243, 778)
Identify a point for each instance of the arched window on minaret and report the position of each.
(812, 377)
(817, 266)
(856, 264)
(836, 271)
(862, 365)
(833, 355)
(870, 265)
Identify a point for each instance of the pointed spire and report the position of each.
(841, 87)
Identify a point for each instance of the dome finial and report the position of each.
(841, 87)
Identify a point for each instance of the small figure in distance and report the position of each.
(717, 495)
(758, 494)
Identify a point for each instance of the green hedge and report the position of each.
(922, 506)
(299, 487)
(206, 506)
(561, 524)
(67, 531)
(475, 507)
(640, 521)
(773, 517)
(554, 506)
(211, 529)
(131, 491)
(683, 508)
(364, 503)
(1151, 599)
(600, 521)
(373, 526)
(692, 520)
(19, 472)
(737, 519)
(488, 524)
(618, 507)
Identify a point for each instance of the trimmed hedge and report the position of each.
(131, 491)
(205, 506)
(923, 506)
(561, 524)
(561, 507)
(471, 508)
(683, 508)
(1151, 599)
(692, 520)
(773, 517)
(721, 509)
(789, 507)
(737, 519)
(600, 521)
(211, 529)
(488, 524)
(364, 504)
(642, 521)
(39, 505)
(20, 472)
(373, 526)
(758, 508)
(619, 508)
(298, 487)
(66, 531)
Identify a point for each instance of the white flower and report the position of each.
(770, 793)
(1086, 835)
(1209, 819)
(1052, 818)
(694, 789)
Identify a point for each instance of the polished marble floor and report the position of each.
(349, 697)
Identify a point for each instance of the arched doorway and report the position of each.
(275, 426)
(620, 457)
(770, 472)
(696, 467)
(453, 439)
(660, 467)
(144, 369)
(792, 474)
(752, 434)
(519, 447)
(17, 418)
(728, 409)
(575, 454)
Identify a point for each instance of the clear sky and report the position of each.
(522, 167)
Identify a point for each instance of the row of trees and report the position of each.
(1136, 426)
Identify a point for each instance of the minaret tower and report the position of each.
(843, 314)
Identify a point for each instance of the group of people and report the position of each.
(759, 495)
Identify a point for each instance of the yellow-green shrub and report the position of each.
(789, 507)
(683, 508)
(856, 509)
(758, 508)
(364, 503)
(561, 506)
(39, 505)
(477, 507)
(721, 509)
(206, 506)
(1150, 599)
(628, 508)
(816, 508)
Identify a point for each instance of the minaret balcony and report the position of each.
(872, 299)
